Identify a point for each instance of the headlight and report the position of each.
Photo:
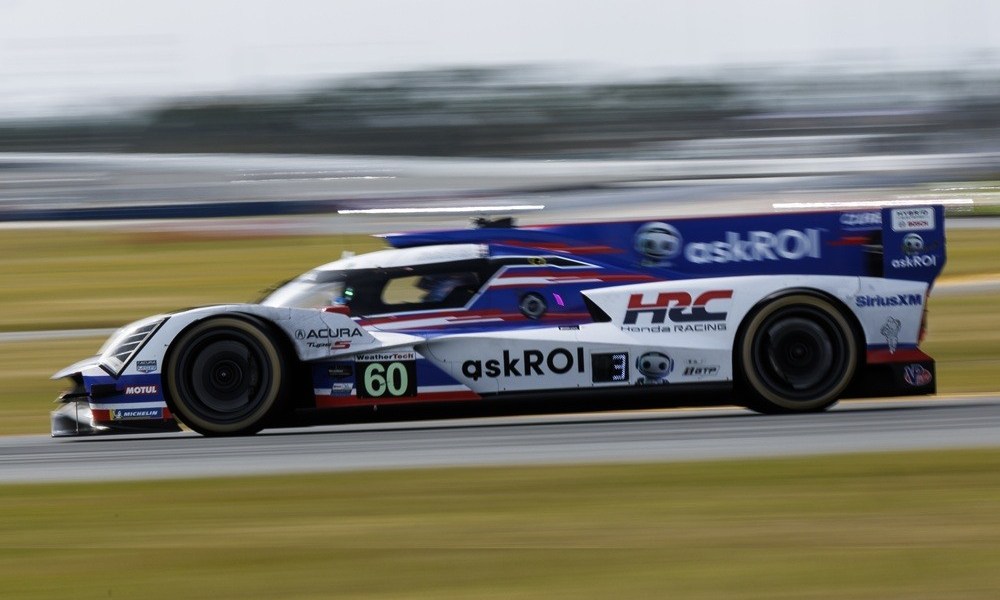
(123, 346)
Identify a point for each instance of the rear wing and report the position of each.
(896, 242)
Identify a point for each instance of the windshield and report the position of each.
(381, 291)
(306, 292)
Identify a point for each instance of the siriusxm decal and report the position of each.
(875, 301)
(131, 414)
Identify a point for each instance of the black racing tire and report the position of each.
(797, 353)
(226, 376)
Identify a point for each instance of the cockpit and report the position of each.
(389, 281)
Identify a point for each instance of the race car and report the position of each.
(788, 312)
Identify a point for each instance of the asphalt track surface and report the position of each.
(643, 436)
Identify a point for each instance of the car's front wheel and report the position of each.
(798, 353)
(226, 376)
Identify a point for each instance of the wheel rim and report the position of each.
(224, 376)
(800, 353)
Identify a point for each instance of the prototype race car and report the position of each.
(790, 312)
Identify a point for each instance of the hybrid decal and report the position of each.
(913, 219)
(916, 375)
(889, 301)
(145, 366)
(787, 244)
(890, 331)
(686, 315)
(528, 363)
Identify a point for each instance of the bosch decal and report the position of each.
(145, 366)
(888, 301)
(788, 244)
(558, 361)
(678, 307)
(916, 375)
(913, 219)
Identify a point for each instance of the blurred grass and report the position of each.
(885, 526)
(67, 279)
(55, 279)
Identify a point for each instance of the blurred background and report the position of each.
(161, 155)
(120, 110)
(158, 155)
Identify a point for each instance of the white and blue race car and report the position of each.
(785, 313)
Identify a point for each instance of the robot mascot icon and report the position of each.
(658, 243)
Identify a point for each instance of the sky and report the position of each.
(66, 56)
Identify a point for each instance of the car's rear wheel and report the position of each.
(226, 376)
(797, 354)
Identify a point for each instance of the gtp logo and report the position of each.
(678, 307)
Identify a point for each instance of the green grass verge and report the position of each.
(885, 526)
(65, 279)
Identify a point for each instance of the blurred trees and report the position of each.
(503, 112)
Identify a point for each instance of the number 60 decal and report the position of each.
(387, 379)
